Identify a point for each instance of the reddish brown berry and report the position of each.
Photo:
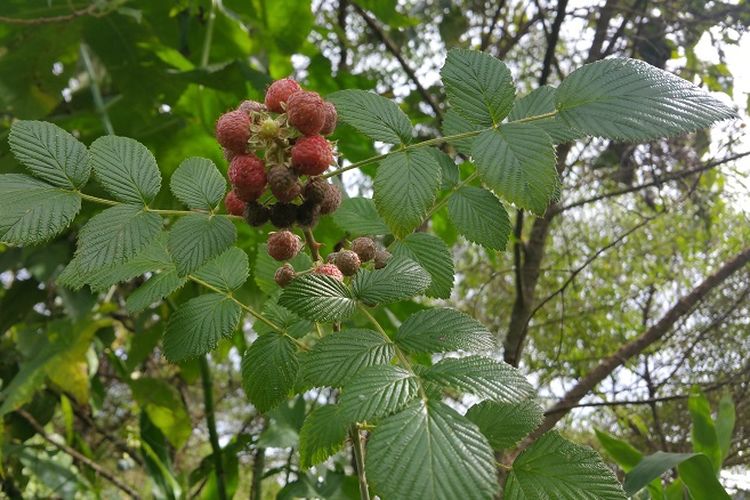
(329, 270)
(234, 205)
(331, 201)
(283, 245)
(256, 214)
(283, 215)
(311, 155)
(278, 94)
(331, 259)
(347, 262)
(249, 107)
(233, 131)
(306, 112)
(381, 258)
(365, 248)
(331, 117)
(247, 173)
(308, 214)
(315, 189)
(284, 275)
(283, 183)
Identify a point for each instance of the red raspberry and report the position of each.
(234, 205)
(329, 270)
(306, 112)
(279, 92)
(331, 201)
(283, 245)
(311, 155)
(233, 130)
(247, 173)
(331, 117)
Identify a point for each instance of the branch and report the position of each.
(640, 343)
(359, 459)
(396, 51)
(208, 404)
(487, 35)
(552, 41)
(675, 176)
(78, 456)
(91, 10)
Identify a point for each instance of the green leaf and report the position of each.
(505, 424)
(480, 217)
(479, 86)
(432, 254)
(32, 211)
(377, 391)
(517, 161)
(164, 407)
(405, 189)
(126, 169)
(539, 102)
(455, 124)
(400, 279)
(373, 115)
(442, 330)
(449, 171)
(703, 432)
(695, 470)
(318, 297)
(198, 183)
(322, 435)
(359, 217)
(50, 153)
(226, 272)
(115, 235)
(483, 377)
(269, 370)
(266, 266)
(632, 100)
(625, 455)
(198, 324)
(338, 357)
(430, 451)
(725, 419)
(154, 290)
(284, 318)
(196, 238)
(553, 467)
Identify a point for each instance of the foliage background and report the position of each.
(162, 71)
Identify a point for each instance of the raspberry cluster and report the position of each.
(277, 151)
(345, 262)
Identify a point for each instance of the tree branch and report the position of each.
(208, 404)
(78, 456)
(394, 49)
(640, 343)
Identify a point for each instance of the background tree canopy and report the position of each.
(622, 301)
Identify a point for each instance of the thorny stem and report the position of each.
(430, 142)
(314, 245)
(359, 458)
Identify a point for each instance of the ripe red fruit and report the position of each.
(279, 92)
(306, 112)
(234, 205)
(329, 270)
(247, 173)
(233, 130)
(283, 245)
(311, 155)
(331, 117)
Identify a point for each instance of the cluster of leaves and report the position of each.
(394, 385)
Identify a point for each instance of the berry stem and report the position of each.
(314, 245)
(430, 142)
(359, 459)
(112, 203)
